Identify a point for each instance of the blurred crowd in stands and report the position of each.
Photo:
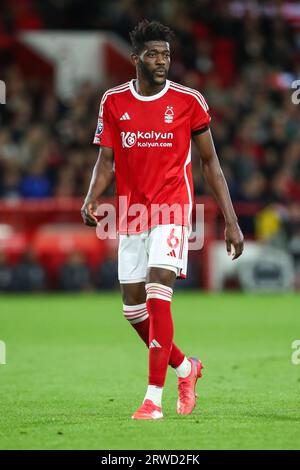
(243, 56)
(29, 275)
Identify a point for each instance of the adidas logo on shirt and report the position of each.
(125, 117)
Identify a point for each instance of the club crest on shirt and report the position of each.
(169, 115)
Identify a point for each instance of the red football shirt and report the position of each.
(151, 140)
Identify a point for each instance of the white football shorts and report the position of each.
(163, 246)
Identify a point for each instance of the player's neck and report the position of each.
(144, 88)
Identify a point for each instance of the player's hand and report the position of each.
(88, 213)
(234, 240)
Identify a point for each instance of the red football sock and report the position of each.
(138, 317)
(160, 332)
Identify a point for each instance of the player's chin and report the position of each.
(159, 80)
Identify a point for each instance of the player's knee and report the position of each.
(162, 276)
(133, 294)
(131, 298)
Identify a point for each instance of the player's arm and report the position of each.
(102, 176)
(214, 176)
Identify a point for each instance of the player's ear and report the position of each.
(134, 59)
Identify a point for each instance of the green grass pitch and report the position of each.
(76, 371)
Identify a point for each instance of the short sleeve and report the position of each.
(200, 118)
(103, 133)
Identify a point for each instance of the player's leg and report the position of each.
(160, 339)
(159, 289)
(135, 311)
(167, 258)
(133, 259)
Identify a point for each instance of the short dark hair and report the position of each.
(149, 31)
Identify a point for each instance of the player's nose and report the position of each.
(160, 59)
